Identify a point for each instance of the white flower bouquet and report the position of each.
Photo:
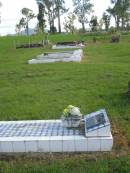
(71, 116)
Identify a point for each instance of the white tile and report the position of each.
(94, 144)
(68, 144)
(40, 121)
(31, 146)
(106, 143)
(105, 131)
(80, 144)
(56, 144)
(58, 121)
(18, 146)
(6, 147)
(43, 145)
(92, 133)
(50, 121)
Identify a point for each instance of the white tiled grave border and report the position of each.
(68, 46)
(73, 143)
(68, 56)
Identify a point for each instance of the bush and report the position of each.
(115, 39)
(112, 30)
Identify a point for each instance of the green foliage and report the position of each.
(69, 23)
(112, 30)
(60, 9)
(40, 17)
(115, 38)
(106, 19)
(53, 9)
(24, 21)
(120, 11)
(93, 23)
(82, 8)
(51, 15)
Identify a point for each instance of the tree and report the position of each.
(81, 9)
(28, 15)
(60, 10)
(106, 20)
(113, 12)
(41, 14)
(69, 23)
(100, 24)
(50, 11)
(93, 23)
(18, 28)
(124, 7)
(120, 12)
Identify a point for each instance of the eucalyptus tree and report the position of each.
(28, 15)
(18, 28)
(93, 23)
(124, 14)
(46, 8)
(69, 23)
(41, 14)
(60, 9)
(106, 20)
(82, 8)
(51, 14)
(114, 12)
(120, 12)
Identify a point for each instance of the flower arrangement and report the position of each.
(71, 116)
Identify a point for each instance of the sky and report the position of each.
(11, 12)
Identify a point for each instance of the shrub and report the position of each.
(115, 39)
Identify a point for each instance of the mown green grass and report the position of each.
(42, 91)
(115, 165)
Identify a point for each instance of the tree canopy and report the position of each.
(82, 8)
(120, 12)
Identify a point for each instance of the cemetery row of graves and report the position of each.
(41, 91)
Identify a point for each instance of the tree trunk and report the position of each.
(59, 24)
(53, 18)
(118, 22)
(27, 29)
(122, 23)
(83, 27)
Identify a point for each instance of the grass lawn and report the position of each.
(42, 91)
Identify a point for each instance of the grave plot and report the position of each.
(52, 136)
(68, 45)
(29, 45)
(50, 57)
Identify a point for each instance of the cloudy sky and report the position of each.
(10, 12)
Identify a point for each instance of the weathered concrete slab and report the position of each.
(67, 56)
(68, 45)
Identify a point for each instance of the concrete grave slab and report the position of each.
(69, 45)
(48, 136)
(51, 57)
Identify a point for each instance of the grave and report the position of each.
(69, 45)
(52, 136)
(29, 45)
(66, 56)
